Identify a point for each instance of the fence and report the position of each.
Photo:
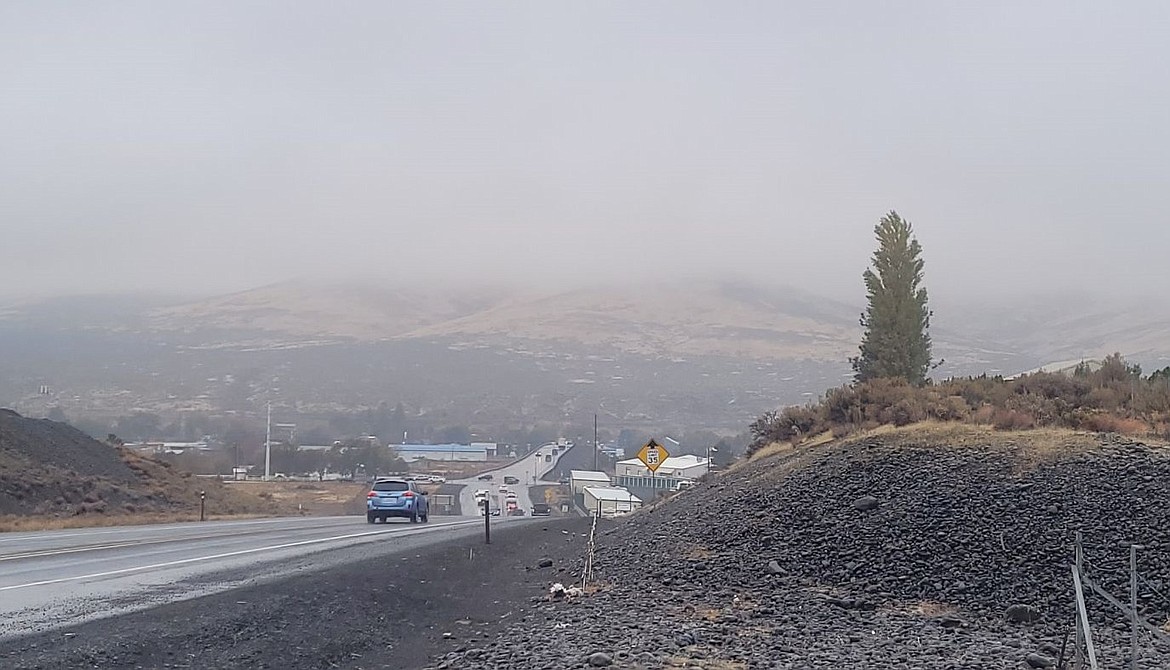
(1084, 650)
(587, 573)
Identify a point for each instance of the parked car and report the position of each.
(511, 480)
(485, 478)
(541, 509)
(396, 498)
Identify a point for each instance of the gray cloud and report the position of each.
(215, 146)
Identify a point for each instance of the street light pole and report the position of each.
(596, 448)
(268, 443)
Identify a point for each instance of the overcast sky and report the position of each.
(215, 146)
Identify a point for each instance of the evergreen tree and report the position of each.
(896, 342)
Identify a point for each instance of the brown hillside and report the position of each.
(52, 471)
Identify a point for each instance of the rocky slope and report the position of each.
(912, 549)
(50, 470)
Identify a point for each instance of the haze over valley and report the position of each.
(695, 355)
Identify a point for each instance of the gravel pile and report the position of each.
(902, 551)
(59, 445)
(52, 470)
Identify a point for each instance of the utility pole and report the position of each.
(596, 448)
(268, 444)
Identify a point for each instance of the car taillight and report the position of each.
(408, 494)
(372, 494)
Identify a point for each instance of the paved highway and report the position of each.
(56, 578)
(528, 470)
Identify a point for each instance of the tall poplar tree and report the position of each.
(896, 342)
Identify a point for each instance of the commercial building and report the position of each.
(675, 467)
(610, 501)
(579, 479)
(441, 452)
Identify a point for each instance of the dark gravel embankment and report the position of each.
(51, 470)
(395, 606)
(899, 551)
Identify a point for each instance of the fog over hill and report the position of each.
(651, 356)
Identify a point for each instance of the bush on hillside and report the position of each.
(1115, 398)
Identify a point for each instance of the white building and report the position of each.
(489, 447)
(610, 501)
(675, 467)
(441, 452)
(579, 479)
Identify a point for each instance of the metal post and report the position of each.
(596, 449)
(1133, 611)
(1079, 645)
(268, 443)
(202, 498)
(487, 521)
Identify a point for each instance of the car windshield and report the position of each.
(391, 486)
(540, 507)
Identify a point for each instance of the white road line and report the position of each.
(53, 534)
(223, 533)
(72, 550)
(168, 564)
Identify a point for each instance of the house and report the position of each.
(579, 479)
(441, 452)
(610, 501)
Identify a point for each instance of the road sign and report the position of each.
(652, 454)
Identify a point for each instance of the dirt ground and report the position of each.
(397, 608)
(310, 498)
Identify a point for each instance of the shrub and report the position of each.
(1115, 398)
(1010, 419)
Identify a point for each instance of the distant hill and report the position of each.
(668, 354)
(52, 470)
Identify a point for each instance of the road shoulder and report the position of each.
(398, 607)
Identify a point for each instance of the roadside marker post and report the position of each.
(487, 522)
(202, 498)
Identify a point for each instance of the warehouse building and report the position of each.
(443, 452)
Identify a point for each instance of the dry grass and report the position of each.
(310, 498)
(787, 447)
(1033, 446)
(774, 449)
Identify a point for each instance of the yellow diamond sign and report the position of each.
(652, 454)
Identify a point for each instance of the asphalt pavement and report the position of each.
(57, 578)
(527, 470)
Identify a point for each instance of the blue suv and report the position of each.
(396, 497)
